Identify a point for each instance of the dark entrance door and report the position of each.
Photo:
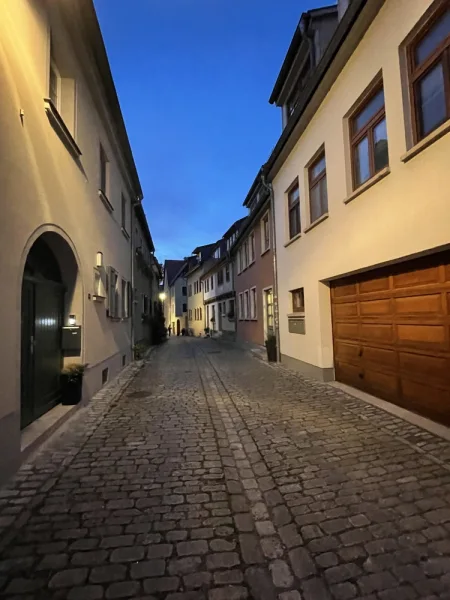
(178, 327)
(42, 320)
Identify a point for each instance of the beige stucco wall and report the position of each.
(44, 189)
(405, 213)
(195, 302)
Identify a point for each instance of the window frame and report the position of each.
(53, 67)
(241, 306)
(251, 248)
(296, 206)
(265, 239)
(253, 304)
(220, 277)
(313, 182)
(104, 171)
(295, 310)
(366, 131)
(415, 74)
(246, 305)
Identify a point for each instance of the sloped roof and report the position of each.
(172, 268)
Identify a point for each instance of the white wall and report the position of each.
(405, 213)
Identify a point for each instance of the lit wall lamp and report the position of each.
(162, 296)
(72, 320)
(99, 259)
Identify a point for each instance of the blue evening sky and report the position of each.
(193, 79)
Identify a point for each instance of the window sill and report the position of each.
(126, 235)
(292, 240)
(265, 251)
(434, 136)
(297, 315)
(60, 128)
(105, 201)
(368, 184)
(321, 219)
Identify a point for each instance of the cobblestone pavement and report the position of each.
(217, 477)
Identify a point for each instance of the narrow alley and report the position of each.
(214, 476)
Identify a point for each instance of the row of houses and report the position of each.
(344, 254)
(80, 277)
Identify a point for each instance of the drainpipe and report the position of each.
(269, 188)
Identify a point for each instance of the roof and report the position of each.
(287, 141)
(295, 44)
(84, 12)
(172, 268)
(235, 227)
(140, 215)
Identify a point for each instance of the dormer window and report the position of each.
(294, 97)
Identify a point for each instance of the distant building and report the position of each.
(175, 292)
(196, 316)
(254, 270)
(218, 286)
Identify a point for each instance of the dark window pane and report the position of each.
(294, 221)
(318, 167)
(437, 34)
(380, 146)
(431, 101)
(362, 163)
(369, 110)
(323, 195)
(319, 200)
(294, 196)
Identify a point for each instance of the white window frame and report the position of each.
(253, 304)
(241, 306)
(265, 248)
(246, 305)
(251, 248)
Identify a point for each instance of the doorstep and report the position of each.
(435, 428)
(40, 430)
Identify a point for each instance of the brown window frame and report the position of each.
(314, 181)
(365, 131)
(296, 206)
(416, 74)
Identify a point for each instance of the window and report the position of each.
(241, 307)
(212, 282)
(239, 260)
(295, 95)
(251, 248)
(227, 273)
(184, 291)
(220, 277)
(246, 305)
(318, 197)
(298, 301)
(252, 304)
(190, 290)
(206, 285)
(104, 167)
(217, 253)
(294, 210)
(265, 232)
(368, 139)
(124, 213)
(190, 314)
(429, 74)
(200, 313)
(184, 308)
(55, 85)
(231, 309)
(245, 261)
(124, 299)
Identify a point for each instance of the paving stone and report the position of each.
(123, 589)
(200, 579)
(272, 547)
(86, 592)
(260, 583)
(182, 566)
(127, 554)
(194, 547)
(89, 558)
(251, 548)
(293, 595)
(315, 589)
(107, 574)
(301, 563)
(148, 568)
(68, 578)
(161, 584)
(290, 536)
(281, 574)
(160, 551)
(222, 560)
(229, 577)
(231, 592)
(244, 522)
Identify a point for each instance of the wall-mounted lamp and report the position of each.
(99, 259)
(162, 296)
(72, 320)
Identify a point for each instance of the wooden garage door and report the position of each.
(391, 331)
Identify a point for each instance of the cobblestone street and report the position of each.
(215, 476)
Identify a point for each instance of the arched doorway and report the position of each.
(178, 326)
(47, 285)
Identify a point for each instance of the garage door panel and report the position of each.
(348, 373)
(381, 384)
(374, 285)
(348, 352)
(422, 336)
(347, 330)
(384, 357)
(375, 308)
(423, 367)
(346, 309)
(430, 401)
(414, 278)
(345, 290)
(428, 304)
(377, 332)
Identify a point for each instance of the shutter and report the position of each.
(112, 279)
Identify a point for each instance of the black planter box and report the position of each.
(71, 391)
(271, 348)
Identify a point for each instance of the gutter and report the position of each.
(269, 188)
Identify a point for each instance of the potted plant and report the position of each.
(139, 350)
(72, 383)
(271, 347)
